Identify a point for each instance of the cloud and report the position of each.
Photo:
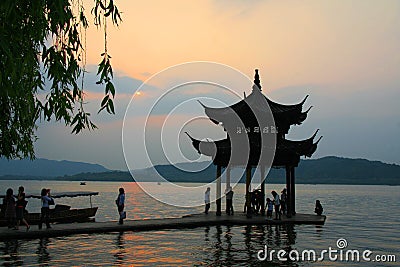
(145, 74)
(343, 53)
(123, 84)
(356, 121)
(236, 9)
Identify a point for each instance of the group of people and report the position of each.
(280, 205)
(256, 199)
(229, 200)
(277, 203)
(14, 208)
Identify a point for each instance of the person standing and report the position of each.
(270, 208)
(259, 199)
(318, 208)
(277, 205)
(45, 210)
(207, 200)
(20, 208)
(121, 205)
(229, 201)
(283, 200)
(10, 213)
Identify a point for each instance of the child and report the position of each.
(270, 208)
(318, 208)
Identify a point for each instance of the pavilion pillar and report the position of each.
(228, 176)
(262, 171)
(293, 190)
(228, 182)
(288, 193)
(218, 196)
(248, 197)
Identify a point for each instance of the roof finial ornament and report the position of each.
(257, 82)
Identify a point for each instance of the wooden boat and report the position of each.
(60, 213)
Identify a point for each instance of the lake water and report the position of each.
(366, 216)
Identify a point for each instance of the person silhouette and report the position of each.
(121, 205)
(20, 208)
(318, 208)
(45, 210)
(277, 204)
(207, 200)
(229, 201)
(10, 213)
(283, 200)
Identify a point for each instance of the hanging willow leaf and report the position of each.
(41, 41)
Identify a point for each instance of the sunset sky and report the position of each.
(344, 54)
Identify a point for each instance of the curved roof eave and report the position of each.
(218, 114)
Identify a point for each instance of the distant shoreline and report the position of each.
(54, 179)
(326, 170)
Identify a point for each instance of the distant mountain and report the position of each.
(110, 176)
(338, 170)
(46, 167)
(327, 170)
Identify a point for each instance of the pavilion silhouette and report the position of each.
(256, 137)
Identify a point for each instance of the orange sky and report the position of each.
(345, 54)
(292, 42)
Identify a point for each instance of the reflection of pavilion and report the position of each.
(224, 246)
(257, 126)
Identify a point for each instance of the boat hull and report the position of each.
(63, 216)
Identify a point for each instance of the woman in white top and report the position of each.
(121, 205)
(45, 211)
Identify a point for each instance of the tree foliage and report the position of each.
(43, 42)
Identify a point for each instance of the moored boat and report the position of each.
(60, 213)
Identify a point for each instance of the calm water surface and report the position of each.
(366, 216)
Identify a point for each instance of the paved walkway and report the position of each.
(190, 221)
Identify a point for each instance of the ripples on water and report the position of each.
(367, 216)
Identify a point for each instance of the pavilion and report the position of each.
(253, 117)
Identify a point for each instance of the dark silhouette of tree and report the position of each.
(44, 41)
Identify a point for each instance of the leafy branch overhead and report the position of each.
(44, 43)
(101, 12)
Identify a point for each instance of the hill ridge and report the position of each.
(325, 170)
(46, 167)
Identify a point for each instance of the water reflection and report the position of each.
(247, 242)
(228, 249)
(10, 252)
(319, 230)
(228, 240)
(236, 245)
(43, 256)
(120, 253)
(217, 247)
(207, 233)
(214, 246)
